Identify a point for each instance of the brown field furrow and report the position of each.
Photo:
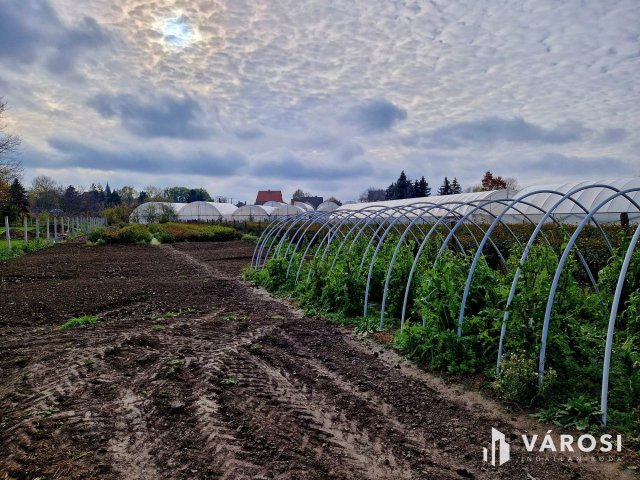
(191, 373)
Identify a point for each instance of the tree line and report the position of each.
(404, 187)
(45, 195)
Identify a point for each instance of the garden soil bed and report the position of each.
(192, 373)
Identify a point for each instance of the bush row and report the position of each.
(334, 285)
(162, 233)
(22, 248)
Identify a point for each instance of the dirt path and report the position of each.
(191, 373)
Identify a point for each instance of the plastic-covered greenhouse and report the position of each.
(285, 210)
(252, 213)
(273, 203)
(573, 210)
(206, 212)
(464, 203)
(327, 206)
(416, 260)
(152, 212)
(303, 205)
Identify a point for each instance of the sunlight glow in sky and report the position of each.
(328, 96)
(178, 32)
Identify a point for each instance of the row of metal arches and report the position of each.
(285, 237)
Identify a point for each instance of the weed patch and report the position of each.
(78, 322)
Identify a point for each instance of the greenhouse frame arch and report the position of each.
(570, 208)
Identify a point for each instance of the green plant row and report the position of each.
(162, 233)
(334, 286)
(19, 248)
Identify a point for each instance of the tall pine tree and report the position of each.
(18, 200)
(423, 188)
(455, 186)
(445, 189)
(415, 189)
(404, 188)
(390, 192)
(107, 195)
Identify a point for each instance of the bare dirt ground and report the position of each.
(191, 373)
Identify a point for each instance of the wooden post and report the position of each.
(55, 229)
(26, 225)
(7, 232)
(38, 227)
(48, 231)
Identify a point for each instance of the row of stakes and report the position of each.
(61, 227)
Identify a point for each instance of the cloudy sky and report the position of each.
(331, 96)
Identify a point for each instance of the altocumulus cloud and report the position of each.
(79, 155)
(31, 30)
(491, 130)
(558, 164)
(375, 116)
(159, 116)
(293, 168)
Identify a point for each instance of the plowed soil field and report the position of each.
(191, 373)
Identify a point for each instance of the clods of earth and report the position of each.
(192, 373)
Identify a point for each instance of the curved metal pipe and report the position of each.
(556, 277)
(604, 392)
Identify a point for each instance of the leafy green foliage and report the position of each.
(78, 322)
(332, 283)
(162, 232)
(127, 234)
(517, 381)
(175, 367)
(580, 413)
(248, 237)
(19, 248)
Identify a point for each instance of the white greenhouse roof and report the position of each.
(589, 198)
(305, 206)
(327, 206)
(254, 211)
(144, 207)
(206, 211)
(285, 210)
(449, 202)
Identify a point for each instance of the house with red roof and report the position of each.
(265, 196)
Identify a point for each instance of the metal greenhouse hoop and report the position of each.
(556, 277)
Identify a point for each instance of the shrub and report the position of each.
(78, 322)
(162, 232)
(248, 237)
(21, 248)
(333, 285)
(440, 349)
(197, 232)
(517, 381)
(133, 234)
(117, 214)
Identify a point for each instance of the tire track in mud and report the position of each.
(155, 396)
(301, 427)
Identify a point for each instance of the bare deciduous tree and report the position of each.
(372, 194)
(10, 166)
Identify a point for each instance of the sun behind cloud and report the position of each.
(178, 32)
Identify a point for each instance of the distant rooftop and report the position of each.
(313, 201)
(265, 196)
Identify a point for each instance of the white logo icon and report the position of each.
(499, 444)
